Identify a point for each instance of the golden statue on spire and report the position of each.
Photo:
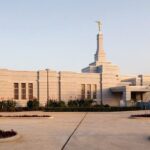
(99, 23)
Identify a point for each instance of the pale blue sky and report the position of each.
(61, 34)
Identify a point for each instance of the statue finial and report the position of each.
(99, 23)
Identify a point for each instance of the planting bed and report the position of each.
(19, 116)
(141, 115)
(7, 134)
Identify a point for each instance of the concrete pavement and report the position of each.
(98, 131)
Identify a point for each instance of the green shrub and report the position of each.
(54, 103)
(33, 104)
(80, 103)
(62, 104)
(72, 103)
(7, 105)
(106, 105)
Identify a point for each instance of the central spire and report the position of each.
(100, 53)
(100, 64)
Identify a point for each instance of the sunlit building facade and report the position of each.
(100, 81)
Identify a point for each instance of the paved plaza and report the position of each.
(91, 131)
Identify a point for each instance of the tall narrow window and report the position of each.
(30, 91)
(88, 91)
(23, 90)
(94, 91)
(82, 91)
(16, 91)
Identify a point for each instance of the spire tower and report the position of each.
(100, 53)
(101, 64)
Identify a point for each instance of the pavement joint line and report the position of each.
(74, 131)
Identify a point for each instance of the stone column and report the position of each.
(126, 95)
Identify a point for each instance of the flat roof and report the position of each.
(131, 88)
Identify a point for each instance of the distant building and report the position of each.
(101, 81)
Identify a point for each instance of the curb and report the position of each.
(10, 139)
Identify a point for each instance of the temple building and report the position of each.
(100, 81)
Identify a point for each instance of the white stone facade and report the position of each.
(101, 81)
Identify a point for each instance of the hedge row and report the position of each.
(91, 109)
(58, 106)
